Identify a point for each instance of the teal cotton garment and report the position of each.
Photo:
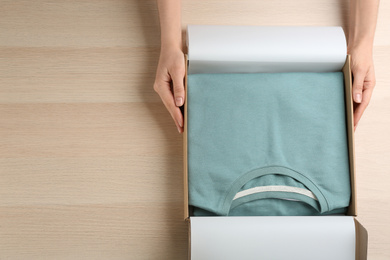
(267, 144)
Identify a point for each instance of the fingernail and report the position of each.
(178, 129)
(179, 101)
(358, 98)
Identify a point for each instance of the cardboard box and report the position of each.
(361, 232)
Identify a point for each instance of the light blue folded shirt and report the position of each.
(267, 144)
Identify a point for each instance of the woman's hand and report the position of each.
(171, 72)
(362, 67)
(362, 22)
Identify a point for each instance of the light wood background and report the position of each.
(90, 160)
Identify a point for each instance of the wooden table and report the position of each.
(90, 160)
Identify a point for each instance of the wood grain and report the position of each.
(90, 160)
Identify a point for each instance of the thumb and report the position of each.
(178, 87)
(357, 88)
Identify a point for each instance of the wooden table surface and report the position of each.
(90, 160)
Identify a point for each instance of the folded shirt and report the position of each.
(267, 144)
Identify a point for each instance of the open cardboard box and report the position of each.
(361, 232)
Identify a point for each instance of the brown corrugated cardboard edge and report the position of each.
(185, 150)
(352, 210)
(185, 163)
(361, 235)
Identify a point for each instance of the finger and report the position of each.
(166, 96)
(360, 108)
(178, 86)
(357, 87)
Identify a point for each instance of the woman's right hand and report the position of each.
(171, 71)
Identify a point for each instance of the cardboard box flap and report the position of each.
(352, 210)
(185, 150)
(361, 241)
